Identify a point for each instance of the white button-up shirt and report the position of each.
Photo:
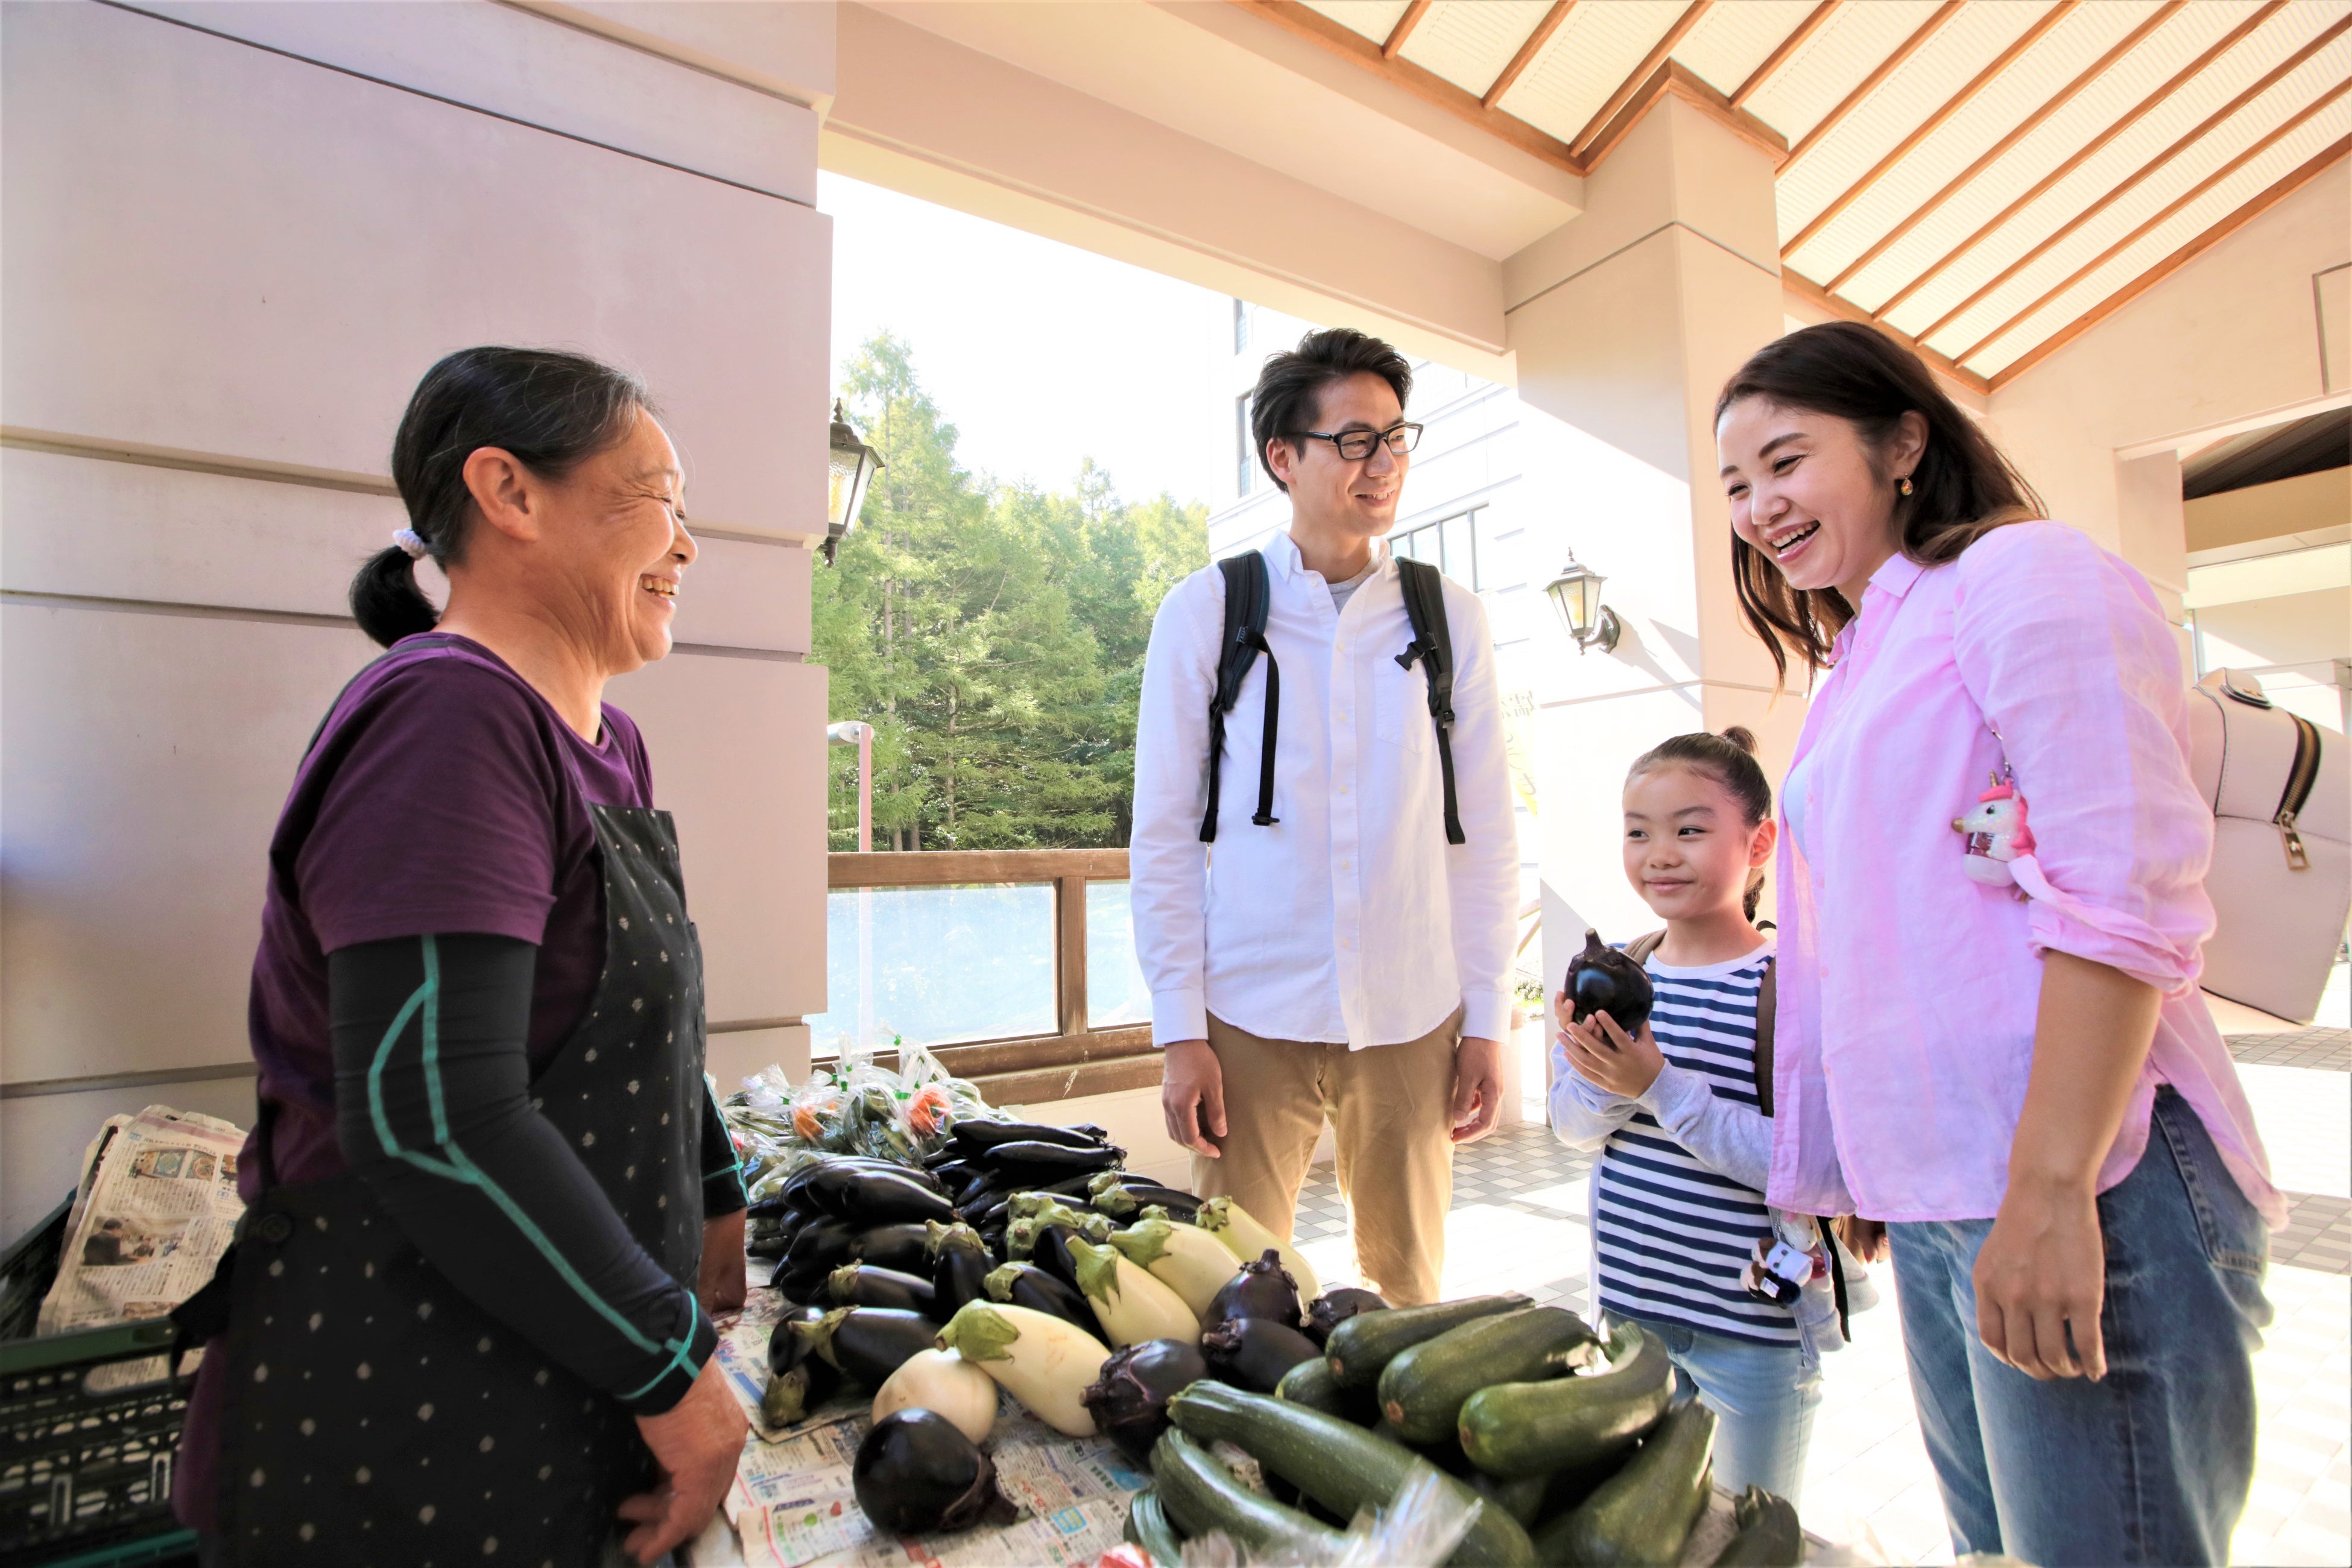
(1351, 920)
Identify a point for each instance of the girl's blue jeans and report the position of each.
(2150, 1465)
(1763, 1398)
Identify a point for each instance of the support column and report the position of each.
(1625, 325)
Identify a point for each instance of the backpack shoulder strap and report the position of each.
(1247, 593)
(1432, 644)
(1640, 947)
(1766, 1000)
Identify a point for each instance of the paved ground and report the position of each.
(1519, 1223)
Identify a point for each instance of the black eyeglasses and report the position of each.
(1355, 446)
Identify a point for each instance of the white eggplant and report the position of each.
(1248, 1240)
(1039, 1359)
(1131, 1305)
(946, 1383)
(1184, 1258)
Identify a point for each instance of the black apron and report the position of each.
(373, 1415)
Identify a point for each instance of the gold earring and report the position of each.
(1904, 484)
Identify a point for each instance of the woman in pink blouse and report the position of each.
(1992, 1039)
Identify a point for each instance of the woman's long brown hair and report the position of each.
(1962, 490)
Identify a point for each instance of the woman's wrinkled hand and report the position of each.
(698, 1444)
(2041, 1274)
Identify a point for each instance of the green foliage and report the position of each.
(992, 635)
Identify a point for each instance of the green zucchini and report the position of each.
(1342, 1467)
(1147, 1527)
(1361, 1348)
(1311, 1383)
(1201, 1495)
(1642, 1515)
(1523, 1500)
(1423, 1387)
(1770, 1536)
(1514, 1429)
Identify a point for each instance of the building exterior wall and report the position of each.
(226, 264)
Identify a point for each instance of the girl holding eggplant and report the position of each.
(2008, 1060)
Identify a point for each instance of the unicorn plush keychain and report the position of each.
(1995, 834)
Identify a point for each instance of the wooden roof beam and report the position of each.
(2179, 79)
(2330, 159)
(1999, 149)
(2261, 145)
(2131, 182)
(1871, 83)
(1642, 72)
(1394, 43)
(1813, 293)
(1780, 56)
(1527, 51)
(1933, 123)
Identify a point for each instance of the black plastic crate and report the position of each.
(85, 1468)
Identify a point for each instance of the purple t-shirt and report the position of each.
(443, 796)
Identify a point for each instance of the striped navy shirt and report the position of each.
(1672, 1236)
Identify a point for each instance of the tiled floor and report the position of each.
(1519, 1223)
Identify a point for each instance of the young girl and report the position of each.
(1678, 1199)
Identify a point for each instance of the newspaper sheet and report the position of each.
(156, 1207)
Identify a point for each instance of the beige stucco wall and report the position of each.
(231, 263)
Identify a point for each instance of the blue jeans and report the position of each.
(1763, 1397)
(2151, 1464)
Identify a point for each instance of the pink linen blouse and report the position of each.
(1908, 991)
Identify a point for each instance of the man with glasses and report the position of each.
(1331, 955)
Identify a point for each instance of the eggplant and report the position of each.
(766, 1247)
(959, 1266)
(1253, 1352)
(1261, 1288)
(1600, 979)
(953, 1173)
(799, 1380)
(1046, 1246)
(1034, 1154)
(869, 1196)
(975, 1136)
(1121, 1195)
(868, 1343)
(864, 1284)
(822, 1245)
(1130, 1400)
(1027, 1285)
(916, 1475)
(1048, 1209)
(995, 1205)
(899, 1246)
(1335, 1307)
(978, 1188)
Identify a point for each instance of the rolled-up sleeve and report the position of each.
(2077, 672)
(1168, 864)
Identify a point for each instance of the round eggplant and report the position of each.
(1260, 1288)
(1130, 1400)
(799, 1380)
(864, 1284)
(1253, 1352)
(1600, 979)
(1335, 1307)
(898, 1246)
(1027, 1285)
(868, 1343)
(916, 1475)
(959, 1266)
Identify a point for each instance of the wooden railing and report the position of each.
(1028, 1069)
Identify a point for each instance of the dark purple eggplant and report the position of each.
(952, 1174)
(978, 1188)
(1032, 1155)
(1335, 1307)
(1122, 1197)
(867, 1344)
(863, 1285)
(798, 1182)
(770, 1246)
(1046, 1246)
(867, 1197)
(799, 1380)
(916, 1475)
(1262, 1288)
(972, 1136)
(959, 1266)
(1027, 1285)
(992, 1206)
(822, 1244)
(1603, 980)
(1130, 1400)
(899, 1246)
(1253, 1352)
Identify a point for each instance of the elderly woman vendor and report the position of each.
(492, 1205)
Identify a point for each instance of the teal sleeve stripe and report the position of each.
(677, 1362)
(723, 1171)
(458, 1168)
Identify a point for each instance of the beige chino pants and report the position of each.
(1390, 1108)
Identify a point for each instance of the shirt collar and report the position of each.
(1896, 575)
(1282, 556)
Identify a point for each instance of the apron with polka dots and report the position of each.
(373, 1414)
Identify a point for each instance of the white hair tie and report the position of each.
(412, 544)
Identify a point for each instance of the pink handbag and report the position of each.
(2281, 881)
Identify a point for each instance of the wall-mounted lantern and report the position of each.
(1576, 594)
(850, 466)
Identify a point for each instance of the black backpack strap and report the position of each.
(1432, 644)
(1247, 595)
(1768, 992)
